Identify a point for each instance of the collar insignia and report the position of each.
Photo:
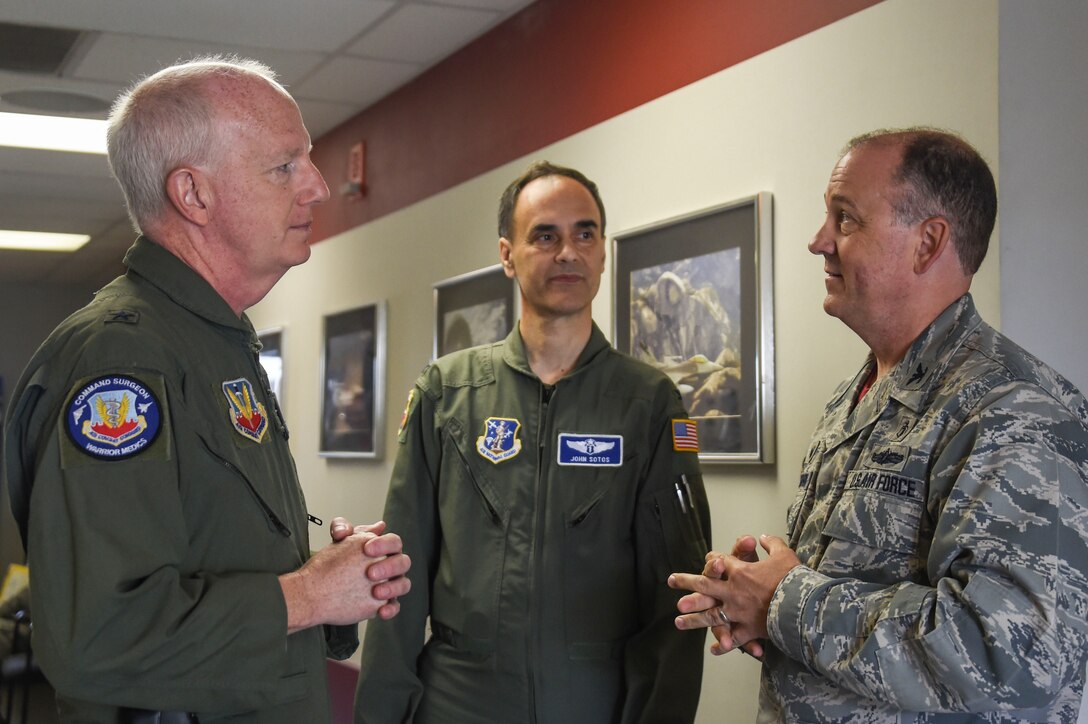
(500, 439)
(246, 414)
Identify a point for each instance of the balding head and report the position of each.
(168, 120)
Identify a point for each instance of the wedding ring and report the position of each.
(721, 615)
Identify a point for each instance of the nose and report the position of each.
(823, 241)
(566, 251)
(316, 191)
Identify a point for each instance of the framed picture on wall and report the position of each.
(473, 309)
(692, 296)
(271, 358)
(352, 383)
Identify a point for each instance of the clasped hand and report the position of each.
(733, 593)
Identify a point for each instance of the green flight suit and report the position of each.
(545, 582)
(154, 563)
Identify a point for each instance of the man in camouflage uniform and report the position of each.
(937, 566)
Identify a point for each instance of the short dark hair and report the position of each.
(942, 175)
(540, 169)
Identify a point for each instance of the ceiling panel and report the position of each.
(286, 24)
(359, 80)
(124, 59)
(423, 33)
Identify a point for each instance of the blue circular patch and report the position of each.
(113, 418)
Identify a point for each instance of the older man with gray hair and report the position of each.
(146, 456)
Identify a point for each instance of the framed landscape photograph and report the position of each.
(473, 309)
(352, 383)
(692, 296)
(271, 358)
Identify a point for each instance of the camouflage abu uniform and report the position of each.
(942, 526)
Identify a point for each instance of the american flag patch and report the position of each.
(685, 436)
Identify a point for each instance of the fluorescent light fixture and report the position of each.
(53, 133)
(41, 241)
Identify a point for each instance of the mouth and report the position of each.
(566, 278)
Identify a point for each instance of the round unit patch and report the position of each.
(113, 418)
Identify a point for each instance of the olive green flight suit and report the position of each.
(545, 583)
(154, 572)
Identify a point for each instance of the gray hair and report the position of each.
(165, 121)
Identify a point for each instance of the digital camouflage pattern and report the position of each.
(942, 525)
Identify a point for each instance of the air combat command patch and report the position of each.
(500, 439)
(247, 416)
(113, 417)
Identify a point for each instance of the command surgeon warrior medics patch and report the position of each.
(246, 414)
(113, 417)
(500, 439)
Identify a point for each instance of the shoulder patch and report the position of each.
(113, 417)
(685, 435)
(408, 407)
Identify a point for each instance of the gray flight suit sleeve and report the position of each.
(664, 666)
(986, 632)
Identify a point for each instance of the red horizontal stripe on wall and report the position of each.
(548, 72)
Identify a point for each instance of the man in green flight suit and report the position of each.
(545, 485)
(146, 457)
(936, 568)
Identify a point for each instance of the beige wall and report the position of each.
(774, 123)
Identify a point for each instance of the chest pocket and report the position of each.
(873, 535)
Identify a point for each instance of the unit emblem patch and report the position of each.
(500, 439)
(592, 450)
(247, 416)
(113, 418)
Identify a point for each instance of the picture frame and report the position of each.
(473, 309)
(271, 359)
(693, 296)
(353, 383)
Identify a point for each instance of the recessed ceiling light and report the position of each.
(56, 101)
(53, 133)
(41, 241)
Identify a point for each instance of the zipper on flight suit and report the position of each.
(277, 413)
(273, 519)
(547, 392)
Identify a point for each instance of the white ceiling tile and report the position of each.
(321, 117)
(356, 81)
(423, 33)
(504, 6)
(286, 24)
(127, 58)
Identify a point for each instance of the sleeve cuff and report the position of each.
(791, 613)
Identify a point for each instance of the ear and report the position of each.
(190, 194)
(935, 239)
(505, 247)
